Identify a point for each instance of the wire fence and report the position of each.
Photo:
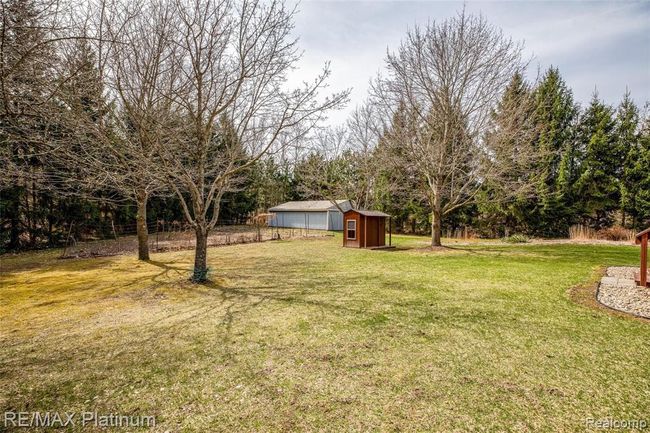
(174, 236)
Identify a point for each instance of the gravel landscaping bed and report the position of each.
(618, 290)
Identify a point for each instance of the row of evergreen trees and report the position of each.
(593, 169)
(34, 215)
(595, 164)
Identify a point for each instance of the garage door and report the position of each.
(301, 220)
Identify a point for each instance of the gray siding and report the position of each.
(335, 220)
(311, 220)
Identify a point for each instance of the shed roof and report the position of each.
(310, 206)
(375, 213)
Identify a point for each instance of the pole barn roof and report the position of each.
(311, 206)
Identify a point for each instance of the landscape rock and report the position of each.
(619, 291)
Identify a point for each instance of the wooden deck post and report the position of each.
(644, 261)
(390, 231)
(642, 238)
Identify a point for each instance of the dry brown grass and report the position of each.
(186, 240)
(615, 233)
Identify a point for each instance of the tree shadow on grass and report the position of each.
(166, 269)
(443, 250)
(67, 265)
(179, 331)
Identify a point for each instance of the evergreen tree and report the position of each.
(502, 214)
(636, 175)
(82, 86)
(598, 185)
(551, 212)
(82, 104)
(628, 139)
(642, 211)
(27, 81)
(398, 186)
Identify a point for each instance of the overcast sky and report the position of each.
(595, 44)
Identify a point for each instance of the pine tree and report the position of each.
(642, 211)
(82, 87)
(81, 96)
(551, 212)
(628, 139)
(636, 175)
(514, 112)
(398, 184)
(598, 185)
(28, 62)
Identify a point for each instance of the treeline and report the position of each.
(112, 121)
(171, 106)
(35, 216)
(594, 168)
(591, 167)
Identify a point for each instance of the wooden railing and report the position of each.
(642, 238)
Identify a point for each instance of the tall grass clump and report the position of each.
(615, 233)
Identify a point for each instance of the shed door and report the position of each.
(292, 219)
(335, 220)
(316, 220)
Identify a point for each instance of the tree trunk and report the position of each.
(14, 215)
(200, 273)
(436, 227)
(623, 218)
(141, 226)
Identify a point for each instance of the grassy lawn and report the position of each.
(308, 336)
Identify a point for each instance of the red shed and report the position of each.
(365, 229)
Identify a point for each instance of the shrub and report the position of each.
(616, 233)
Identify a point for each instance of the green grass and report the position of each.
(309, 336)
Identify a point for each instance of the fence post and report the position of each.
(113, 227)
(65, 248)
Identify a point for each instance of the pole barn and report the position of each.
(310, 215)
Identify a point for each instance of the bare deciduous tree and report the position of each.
(113, 145)
(341, 161)
(444, 82)
(230, 93)
(139, 71)
(364, 131)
